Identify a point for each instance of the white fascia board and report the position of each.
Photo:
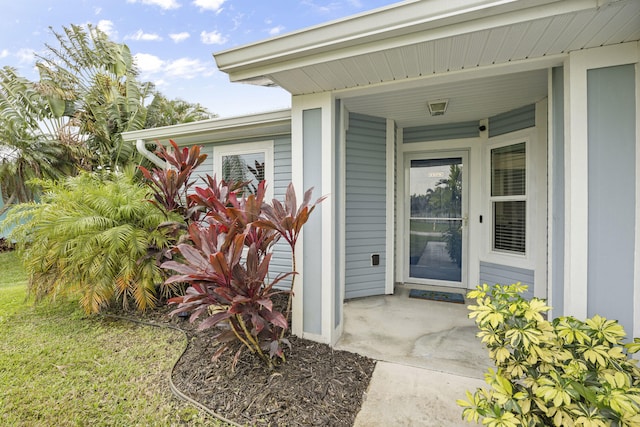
(391, 27)
(274, 122)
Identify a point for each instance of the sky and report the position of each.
(173, 40)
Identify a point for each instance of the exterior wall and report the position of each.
(441, 132)
(505, 275)
(511, 121)
(365, 200)
(612, 192)
(556, 187)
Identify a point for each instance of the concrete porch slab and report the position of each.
(428, 356)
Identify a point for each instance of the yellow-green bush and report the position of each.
(564, 372)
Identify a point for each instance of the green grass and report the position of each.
(59, 367)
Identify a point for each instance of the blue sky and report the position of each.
(173, 40)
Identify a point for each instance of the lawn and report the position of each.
(59, 367)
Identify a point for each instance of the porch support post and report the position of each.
(313, 165)
(576, 181)
(578, 170)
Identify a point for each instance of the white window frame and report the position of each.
(265, 147)
(526, 259)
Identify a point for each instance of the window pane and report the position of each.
(509, 219)
(244, 167)
(508, 173)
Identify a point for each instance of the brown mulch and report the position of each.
(316, 386)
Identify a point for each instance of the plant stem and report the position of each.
(242, 340)
(293, 281)
(253, 341)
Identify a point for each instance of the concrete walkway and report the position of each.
(428, 356)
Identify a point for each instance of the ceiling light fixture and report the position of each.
(438, 107)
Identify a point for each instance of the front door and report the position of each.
(436, 219)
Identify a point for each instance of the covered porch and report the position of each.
(513, 76)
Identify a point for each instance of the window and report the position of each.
(247, 162)
(509, 198)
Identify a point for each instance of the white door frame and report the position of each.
(405, 229)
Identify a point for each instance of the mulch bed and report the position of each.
(317, 385)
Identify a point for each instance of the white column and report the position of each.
(323, 249)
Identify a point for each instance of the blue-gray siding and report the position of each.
(557, 191)
(511, 121)
(312, 177)
(440, 132)
(612, 176)
(491, 274)
(365, 205)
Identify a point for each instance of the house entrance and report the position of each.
(436, 219)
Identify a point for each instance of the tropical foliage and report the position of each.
(33, 143)
(166, 112)
(566, 372)
(96, 237)
(73, 117)
(94, 80)
(226, 261)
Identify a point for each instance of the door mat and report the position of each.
(437, 296)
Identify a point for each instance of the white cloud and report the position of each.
(4, 53)
(212, 37)
(188, 68)
(107, 27)
(164, 4)
(148, 64)
(25, 56)
(179, 37)
(355, 3)
(213, 5)
(141, 35)
(276, 30)
(97, 10)
(153, 68)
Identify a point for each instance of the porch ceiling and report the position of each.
(468, 99)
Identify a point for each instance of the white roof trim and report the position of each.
(262, 124)
(394, 26)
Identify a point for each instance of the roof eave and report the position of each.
(381, 28)
(262, 124)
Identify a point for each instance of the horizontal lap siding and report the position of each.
(281, 259)
(511, 121)
(365, 206)
(506, 275)
(440, 132)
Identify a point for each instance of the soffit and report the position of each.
(616, 23)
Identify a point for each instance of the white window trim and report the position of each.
(526, 260)
(265, 147)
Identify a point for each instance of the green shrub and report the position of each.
(97, 237)
(566, 372)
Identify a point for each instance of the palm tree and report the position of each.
(33, 143)
(94, 80)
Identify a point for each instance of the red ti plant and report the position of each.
(226, 265)
(171, 185)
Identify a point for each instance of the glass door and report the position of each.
(436, 219)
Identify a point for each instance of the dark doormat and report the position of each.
(437, 296)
